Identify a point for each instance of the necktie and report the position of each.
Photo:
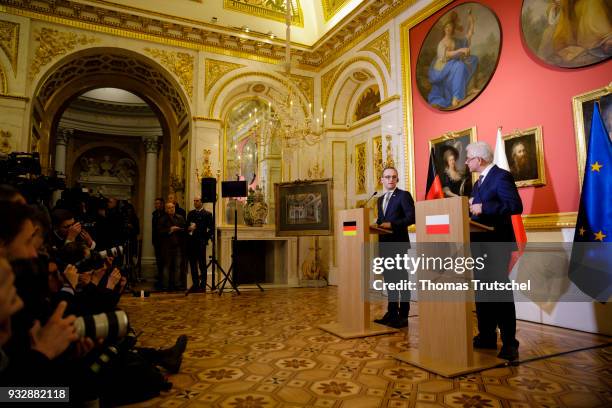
(386, 201)
(480, 180)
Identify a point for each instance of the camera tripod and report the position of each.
(227, 274)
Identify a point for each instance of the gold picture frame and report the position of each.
(458, 141)
(304, 207)
(525, 152)
(582, 106)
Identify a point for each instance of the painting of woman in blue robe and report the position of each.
(454, 64)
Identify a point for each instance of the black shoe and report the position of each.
(386, 319)
(509, 353)
(172, 357)
(482, 343)
(399, 323)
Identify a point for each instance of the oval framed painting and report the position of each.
(568, 33)
(458, 56)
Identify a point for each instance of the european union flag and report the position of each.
(591, 261)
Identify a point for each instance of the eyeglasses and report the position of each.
(469, 159)
(390, 177)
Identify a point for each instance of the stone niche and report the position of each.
(111, 174)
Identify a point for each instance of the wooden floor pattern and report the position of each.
(263, 350)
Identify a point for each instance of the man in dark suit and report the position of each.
(171, 229)
(493, 201)
(395, 212)
(200, 230)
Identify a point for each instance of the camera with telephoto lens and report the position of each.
(96, 259)
(108, 326)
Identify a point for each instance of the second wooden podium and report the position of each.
(354, 320)
(445, 326)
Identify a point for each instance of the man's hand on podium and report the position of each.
(385, 225)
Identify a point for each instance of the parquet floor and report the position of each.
(263, 350)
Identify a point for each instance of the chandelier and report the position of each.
(288, 118)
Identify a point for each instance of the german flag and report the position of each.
(349, 228)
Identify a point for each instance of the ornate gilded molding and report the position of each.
(5, 141)
(390, 99)
(550, 221)
(377, 161)
(381, 46)
(214, 70)
(331, 7)
(54, 43)
(328, 79)
(389, 162)
(9, 42)
(271, 10)
(326, 85)
(3, 81)
(133, 22)
(360, 168)
(205, 119)
(179, 63)
(305, 84)
(151, 144)
(14, 97)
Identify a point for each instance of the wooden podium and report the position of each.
(445, 327)
(352, 232)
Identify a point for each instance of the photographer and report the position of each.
(66, 230)
(32, 348)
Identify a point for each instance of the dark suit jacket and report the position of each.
(500, 200)
(400, 213)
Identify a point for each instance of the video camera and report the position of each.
(23, 171)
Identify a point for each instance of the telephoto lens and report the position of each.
(112, 325)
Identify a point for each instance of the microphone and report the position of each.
(368, 200)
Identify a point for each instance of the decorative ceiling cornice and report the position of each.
(86, 104)
(9, 42)
(174, 31)
(269, 10)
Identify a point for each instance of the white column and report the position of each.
(61, 141)
(151, 144)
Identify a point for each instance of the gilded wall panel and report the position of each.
(377, 161)
(53, 43)
(9, 42)
(3, 81)
(179, 63)
(360, 168)
(214, 70)
(381, 47)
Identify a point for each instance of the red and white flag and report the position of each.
(437, 224)
(500, 159)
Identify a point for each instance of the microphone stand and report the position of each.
(368, 200)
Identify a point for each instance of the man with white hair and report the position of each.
(493, 201)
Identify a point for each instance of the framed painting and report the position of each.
(304, 207)
(458, 56)
(583, 112)
(450, 152)
(568, 34)
(525, 153)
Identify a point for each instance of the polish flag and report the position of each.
(437, 224)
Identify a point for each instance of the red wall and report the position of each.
(522, 93)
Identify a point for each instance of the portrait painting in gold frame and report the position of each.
(525, 153)
(450, 151)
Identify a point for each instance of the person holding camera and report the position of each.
(66, 229)
(200, 230)
(172, 228)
